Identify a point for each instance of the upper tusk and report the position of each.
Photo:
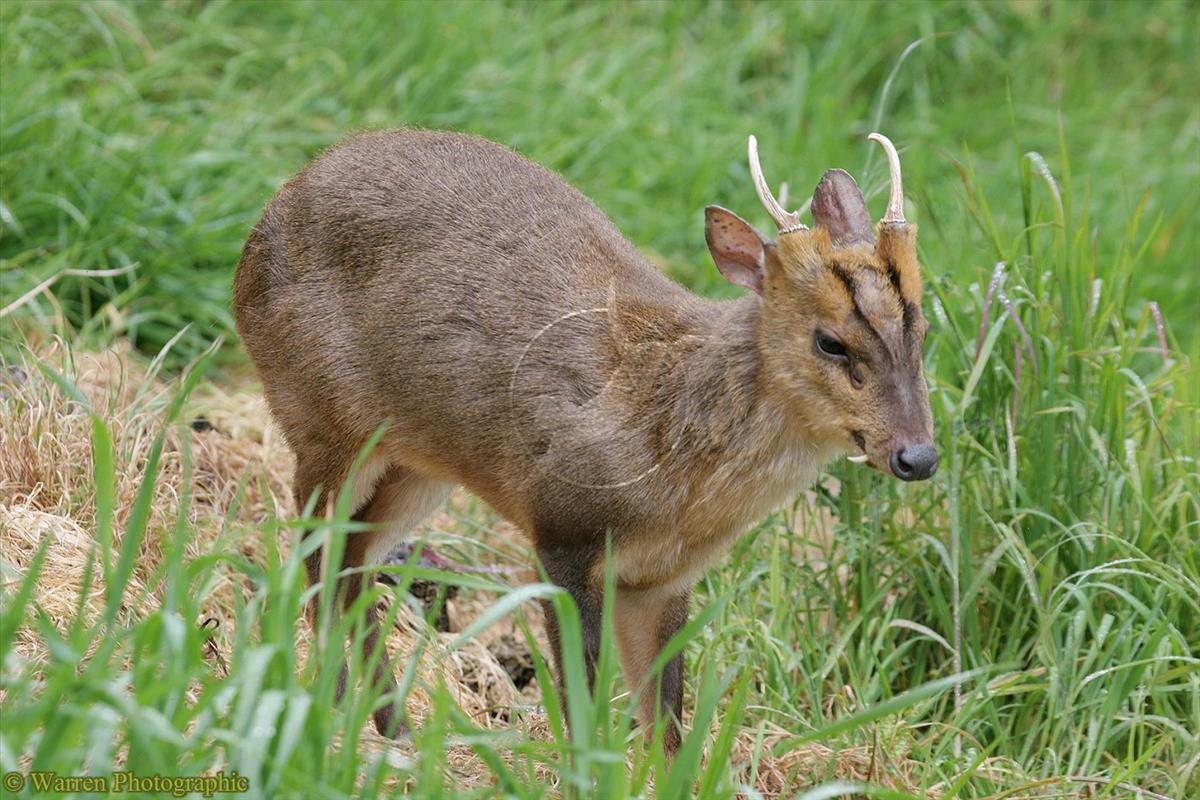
(786, 221)
(895, 206)
(859, 459)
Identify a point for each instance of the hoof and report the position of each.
(425, 592)
(402, 554)
(390, 722)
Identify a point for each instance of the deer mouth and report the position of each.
(860, 440)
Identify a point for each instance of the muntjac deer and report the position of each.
(514, 342)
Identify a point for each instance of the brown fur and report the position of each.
(514, 342)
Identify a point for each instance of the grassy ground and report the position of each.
(1026, 625)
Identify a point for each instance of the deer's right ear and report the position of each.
(739, 250)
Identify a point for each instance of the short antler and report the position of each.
(786, 221)
(895, 206)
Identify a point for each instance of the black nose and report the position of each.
(915, 462)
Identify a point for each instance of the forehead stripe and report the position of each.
(894, 276)
(909, 308)
(852, 289)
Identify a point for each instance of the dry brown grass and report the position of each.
(239, 479)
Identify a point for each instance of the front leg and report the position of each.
(646, 619)
(572, 569)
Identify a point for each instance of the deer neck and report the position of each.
(726, 431)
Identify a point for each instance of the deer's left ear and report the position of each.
(738, 249)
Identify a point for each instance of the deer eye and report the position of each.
(831, 347)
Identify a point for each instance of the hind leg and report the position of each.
(314, 482)
(400, 502)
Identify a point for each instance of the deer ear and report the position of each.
(839, 208)
(739, 250)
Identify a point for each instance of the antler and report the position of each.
(786, 221)
(895, 206)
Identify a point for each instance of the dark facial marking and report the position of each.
(894, 277)
(852, 290)
(911, 312)
(911, 315)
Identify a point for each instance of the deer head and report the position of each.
(841, 329)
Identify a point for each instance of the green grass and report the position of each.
(154, 135)
(1030, 614)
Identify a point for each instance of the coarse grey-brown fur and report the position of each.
(514, 342)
